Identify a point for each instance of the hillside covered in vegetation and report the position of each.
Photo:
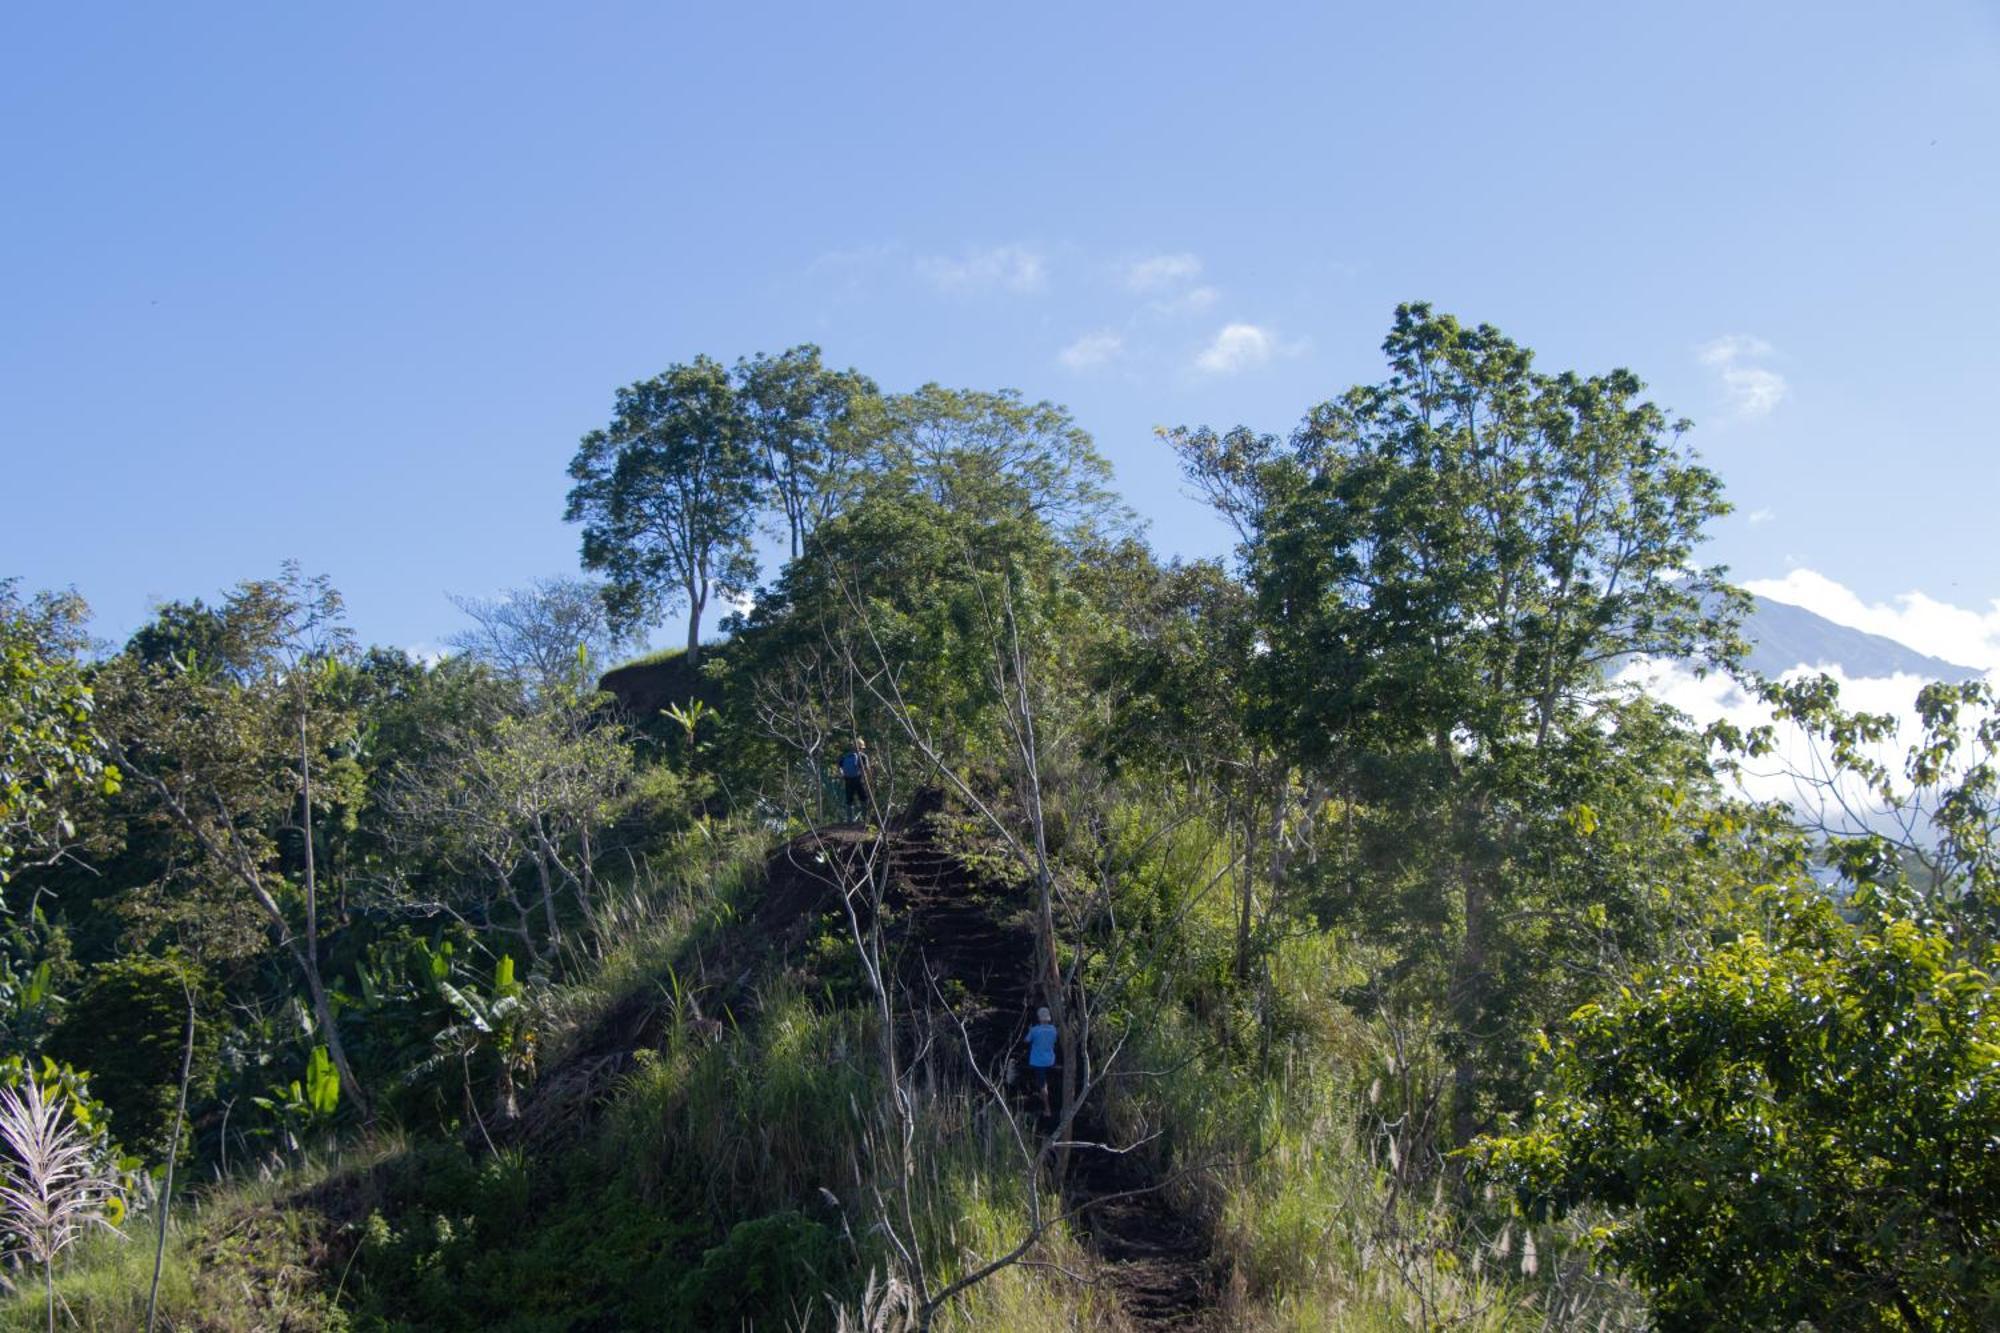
(1404, 970)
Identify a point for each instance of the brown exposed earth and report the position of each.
(959, 932)
(959, 937)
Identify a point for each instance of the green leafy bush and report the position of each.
(767, 1274)
(127, 1027)
(1797, 1127)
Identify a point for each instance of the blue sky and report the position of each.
(345, 283)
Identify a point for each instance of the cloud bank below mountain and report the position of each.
(1880, 656)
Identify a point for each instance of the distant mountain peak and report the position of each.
(1784, 637)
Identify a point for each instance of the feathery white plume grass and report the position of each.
(51, 1187)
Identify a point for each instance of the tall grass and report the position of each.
(102, 1287)
(1294, 1127)
(647, 921)
(754, 1119)
(239, 1260)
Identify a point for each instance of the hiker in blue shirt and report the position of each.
(1042, 1054)
(854, 768)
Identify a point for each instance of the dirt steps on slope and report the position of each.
(955, 932)
(1158, 1260)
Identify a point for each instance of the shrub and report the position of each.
(1793, 1128)
(127, 1027)
(767, 1274)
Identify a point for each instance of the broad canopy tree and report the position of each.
(1448, 566)
(667, 495)
(811, 427)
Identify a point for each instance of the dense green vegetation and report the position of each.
(1408, 971)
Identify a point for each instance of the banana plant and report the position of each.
(30, 1002)
(689, 720)
(499, 1021)
(304, 1109)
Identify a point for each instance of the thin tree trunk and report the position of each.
(1472, 983)
(1471, 974)
(697, 603)
(1045, 922)
(548, 894)
(1245, 908)
(322, 1010)
(173, 1154)
(306, 824)
(252, 879)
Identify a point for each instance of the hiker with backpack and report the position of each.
(854, 769)
(1041, 1041)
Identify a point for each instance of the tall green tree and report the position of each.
(1448, 565)
(233, 751)
(810, 427)
(49, 753)
(667, 495)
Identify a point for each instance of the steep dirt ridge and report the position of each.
(974, 937)
(1159, 1260)
(964, 931)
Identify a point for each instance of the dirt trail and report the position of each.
(1158, 1259)
(979, 943)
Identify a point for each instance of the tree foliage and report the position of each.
(667, 495)
(1925, 831)
(979, 453)
(126, 1026)
(1446, 567)
(811, 427)
(510, 805)
(49, 754)
(1797, 1127)
(225, 749)
(552, 633)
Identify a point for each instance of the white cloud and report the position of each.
(1237, 347)
(1731, 348)
(1758, 517)
(1092, 350)
(1753, 390)
(1001, 268)
(1797, 771)
(1955, 633)
(1160, 272)
(1190, 302)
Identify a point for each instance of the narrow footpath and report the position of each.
(979, 945)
